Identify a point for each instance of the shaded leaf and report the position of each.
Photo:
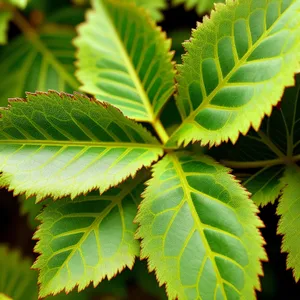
(236, 68)
(124, 59)
(199, 230)
(29, 208)
(201, 6)
(87, 239)
(43, 62)
(289, 225)
(16, 279)
(153, 7)
(259, 158)
(56, 144)
(5, 17)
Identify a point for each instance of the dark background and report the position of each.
(277, 283)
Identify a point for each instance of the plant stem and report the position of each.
(160, 130)
(266, 140)
(260, 163)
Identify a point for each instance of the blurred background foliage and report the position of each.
(21, 61)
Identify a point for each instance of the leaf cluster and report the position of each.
(105, 178)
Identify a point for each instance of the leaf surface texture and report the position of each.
(237, 65)
(199, 230)
(87, 239)
(56, 144)
(289, 224)
(124, 59)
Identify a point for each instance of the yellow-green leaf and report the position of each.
(199, 230)
(289, 224)
(87, 239)
(237, 65)
(56, 144)
(124, 59)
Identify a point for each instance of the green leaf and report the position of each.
(5, 17)
(4, 297)
(16, 279)
(18, 3)
(201, 6)
(56, 144)
(236, 68)
(87, 239)
(289, 224)
(124, 59)
(41, 62)
(153, 7)
(259, 158)
(29, 208)
(199, 230)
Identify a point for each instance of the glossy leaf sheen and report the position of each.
(199, 230)
(289, 224)
(17, 281)
(124, 59)
(87, 239)
(46, 62)
(56, 144)
(236, 68)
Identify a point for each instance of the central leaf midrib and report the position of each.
(206, 101)
(199, 226)
(80, 143)
(128, 62)
(117, 201)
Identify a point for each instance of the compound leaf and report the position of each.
(199, 230)
(87, 239)
(259, 158)
(289, 225)
(201, 6)
(56, 144)
(41, 62)
(5, 17)
(237, 65)
(17, 281)
(124, 59)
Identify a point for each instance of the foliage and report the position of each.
(80, 163)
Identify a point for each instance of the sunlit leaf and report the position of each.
(87, 239)
(236, 68)
(289, 224)
(124, 59)
(199, 230)
(56, 144)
